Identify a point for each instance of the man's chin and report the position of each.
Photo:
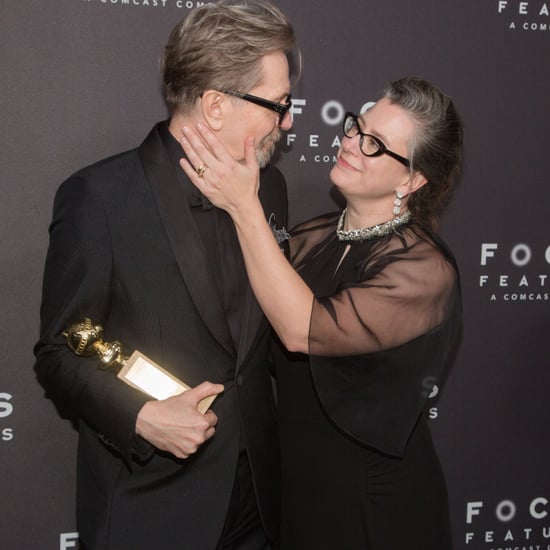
(263, 158)
(266, 150)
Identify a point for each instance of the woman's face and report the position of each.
(362, 178)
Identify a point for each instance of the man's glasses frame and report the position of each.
(351, 129)
(280, 108)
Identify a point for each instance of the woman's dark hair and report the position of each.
(436, 148)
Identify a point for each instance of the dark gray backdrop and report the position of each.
(80, 81)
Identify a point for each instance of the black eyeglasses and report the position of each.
(281, 108)
(370, 145)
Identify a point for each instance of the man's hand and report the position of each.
(175, 425)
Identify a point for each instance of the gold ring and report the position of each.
(201, 170)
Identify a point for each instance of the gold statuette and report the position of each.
(85, 339)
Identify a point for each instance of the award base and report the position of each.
(144, 374)
(84, 338)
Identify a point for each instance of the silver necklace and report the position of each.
(380, 230)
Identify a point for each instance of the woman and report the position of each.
(367, 315)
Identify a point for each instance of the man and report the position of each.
(135, 248)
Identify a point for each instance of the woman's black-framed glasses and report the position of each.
(280, 108)
(370, 145)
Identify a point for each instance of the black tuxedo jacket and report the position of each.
(125, 251)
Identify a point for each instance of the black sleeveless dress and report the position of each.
(359, 467)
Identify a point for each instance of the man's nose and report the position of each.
(286, 122)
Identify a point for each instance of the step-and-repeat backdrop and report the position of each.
(80, 81)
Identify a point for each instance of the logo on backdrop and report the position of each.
(180, 4)
(6, 410)
(517, 273)
(432, 391)
(68, 540)
(508, 524)
(525, 15)
(321, 145)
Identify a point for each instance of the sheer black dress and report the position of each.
(359, 467)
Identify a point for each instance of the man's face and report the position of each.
(244, 119)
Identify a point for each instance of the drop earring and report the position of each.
(397, 203)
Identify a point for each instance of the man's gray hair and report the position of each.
(220, 46)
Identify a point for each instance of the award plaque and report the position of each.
(85, 339)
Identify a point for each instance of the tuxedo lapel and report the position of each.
(274, 202)
(173, 205)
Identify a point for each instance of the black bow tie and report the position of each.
(198, 199)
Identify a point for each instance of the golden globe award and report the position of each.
(85, 339)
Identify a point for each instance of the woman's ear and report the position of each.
(413, 184)
(213, 106)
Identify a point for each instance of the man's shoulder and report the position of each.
(122, 168)
(111, 175)
(113, 164)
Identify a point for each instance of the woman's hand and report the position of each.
(227, 183)
(233, 186)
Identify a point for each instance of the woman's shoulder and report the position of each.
(411, 249)
(419, 254)
(432, 242)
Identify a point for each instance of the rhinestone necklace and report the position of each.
(380, 230)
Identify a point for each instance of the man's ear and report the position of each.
(213, 104)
